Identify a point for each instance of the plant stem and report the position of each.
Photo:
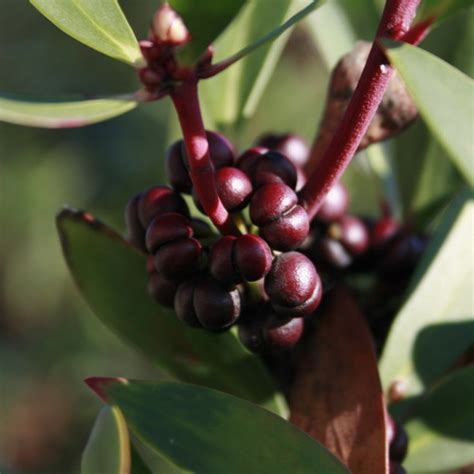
(394, 24)
(201, 170)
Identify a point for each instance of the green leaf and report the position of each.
(111, 276)
(108, 447)
(234, 94)
(435, 325)
(36, 113)
(439, 10)
(443, 95)
(440, 433)
(205, 20)
(203, 430)
(99, 24)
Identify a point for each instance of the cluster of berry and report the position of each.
(398, 445)
(213, 282)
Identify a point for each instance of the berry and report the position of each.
(178, 259)
(233, 187)
(162, 289)
(291, 145)
(166, 228)
(176, 170)
(398, 440)
(383, 231)
(335, 204)
(351, 233)
(274, 167)
(184, 303)
(395, 468)
(201, 229)
(270, 202)
(216, 306)
(293, 285)
(331, 252)
(221, 150)
(248, 160)
(221, 260)
(135, 231)
(159, 200)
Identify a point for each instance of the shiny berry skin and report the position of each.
(293, 285)
(270, 202)
(166, 228)
(233, 187)
(135, 231)
(221, 150)
(178, 259)
(252, 257)
(248, 160)
(335, 204)
(291, 145)
(159, 200)
(398, 440)
(162, 289)
(352, 233)
(274, 167)
(289, 231)
(221, 260)
(184, 303)
(176, 170)
(216, 306)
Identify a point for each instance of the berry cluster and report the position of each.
(255, 279)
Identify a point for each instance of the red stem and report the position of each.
(201, 170)
(394, 24)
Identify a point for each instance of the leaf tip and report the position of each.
(99, 385)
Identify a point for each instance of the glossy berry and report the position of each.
(184, 303)
(166, 228)
(233, 187)
(179, 259)
(270, 202)
(335, 204)
(274, 167)
(382, 232)
(331, 252)
(291, 145)
(216, 306)
(221, 260)
(352, 233)
(293, 285)
(162, 289)
(159, 200)
(397, 439)
(135, 231)
(248, 160)
(221, 150)
(176, 170)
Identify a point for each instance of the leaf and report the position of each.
(214, 15)
(111, 276)
(99, 24)
(337, 396)
(203, 430)
(440, 433)
(36, 113)
(440, 10)
(108, 447)
(435, 324)
(234, 94)
(442, 94)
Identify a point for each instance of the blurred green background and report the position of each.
(49, 339)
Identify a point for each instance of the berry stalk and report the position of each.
(201, 170)
(394, 24)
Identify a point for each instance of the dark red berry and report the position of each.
(166, 228)
(352, 233)
(248, 160)
(201, 229)
(270, 202)
(162, 289)
(176, 170)
(221, 260)
(159, 200)
(184, 303)
(135, 231)
(395, 468)
(221, 150)
(292, 146)
(291, 283)
(233, 187)
(383, 231)
(217, 307)
(398, 444)
(274, 167)
(331, 252)
(289, 231)
(252, 257)
(335, 204)
(179, 259)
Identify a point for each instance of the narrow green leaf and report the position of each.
(36, 113)
(440, 10)
(108, 447)
(99, 24)
(203, 430)
(234, 94)
(440, 432)
(444, 97)
(436, 324)
(111, 276)
(205, 20)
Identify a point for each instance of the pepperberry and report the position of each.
(270, 202)
(233, 187)
(396, 468)
(179, 259)
(352, 233)
(184, 303)
(382, 232)
(397, 439)
(274, 167)
(135, 231)
(162, 289)
(176, 170)
(293, 285)
(221, 150)
(166, 228)
(248, 160)
(292, 146)
(335, 204)
(331, 252)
